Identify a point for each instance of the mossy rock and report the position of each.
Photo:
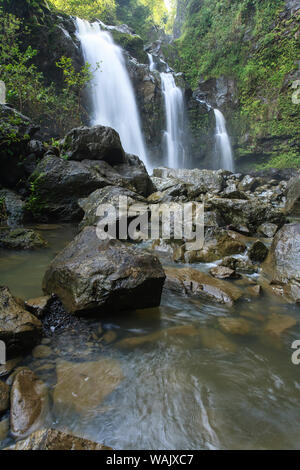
(21, 239)
(132, 43)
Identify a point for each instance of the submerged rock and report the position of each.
(278, 324)
(52, 439)
(83, 386)
(29, 403)
(21, 239)
(90, 274)
(4, 428)
(191, 282)
(216, 340)
(19, 329)
(236, 326)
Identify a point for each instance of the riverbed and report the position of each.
(208, 390)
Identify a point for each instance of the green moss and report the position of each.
(131, 43)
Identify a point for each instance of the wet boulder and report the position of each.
(4, 397)
(292, 206)
(21, 239)
(29, 403)
(93, 143)
(251, 213)
(52, 439)
(108, 195)
(19, 329)
(94, 275)
(203, 181)
(282, 265)
(134, 172)
(194, 283)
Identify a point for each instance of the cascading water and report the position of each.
(224, 154)
(152, 65)
(113, 100)
(174, 134)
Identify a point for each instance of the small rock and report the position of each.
(258, 251)
(268, 230)
(221, 272)
(10, 365)
(21, 239)
(110, 336)
(38, 306)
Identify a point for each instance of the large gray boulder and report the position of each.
(292, 206)
(12, 208)
(203, 181)
(94, 275)
(108, 195)
(19, 329)
(282, 265)
(247, 213)
(93, 143)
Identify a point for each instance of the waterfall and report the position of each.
(152, 65)
(112, 95)
(174, 109)
(224, 154)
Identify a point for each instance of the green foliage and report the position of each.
(252, 42)
(60, 110)
(34, 203)
(88, 9)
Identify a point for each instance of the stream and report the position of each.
(176, 392)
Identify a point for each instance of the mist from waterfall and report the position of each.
(224, 154)
(112, 94)
(174, 134)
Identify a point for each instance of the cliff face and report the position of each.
(243, 57)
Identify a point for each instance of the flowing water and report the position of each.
(208, 391)
(174, 110)
(112, 94)
(152, 65)
(224, 154)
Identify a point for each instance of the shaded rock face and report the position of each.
(258, 251)
(147, 87)
(90, 274)
(12, 208)
(194, 283)
(19, 329)
(83, 387)
(292, 206)
(29, 403)
(14, 149)
(282, 265)
(134, 172)
(21, 239)
(51, 439)
(93, 143)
